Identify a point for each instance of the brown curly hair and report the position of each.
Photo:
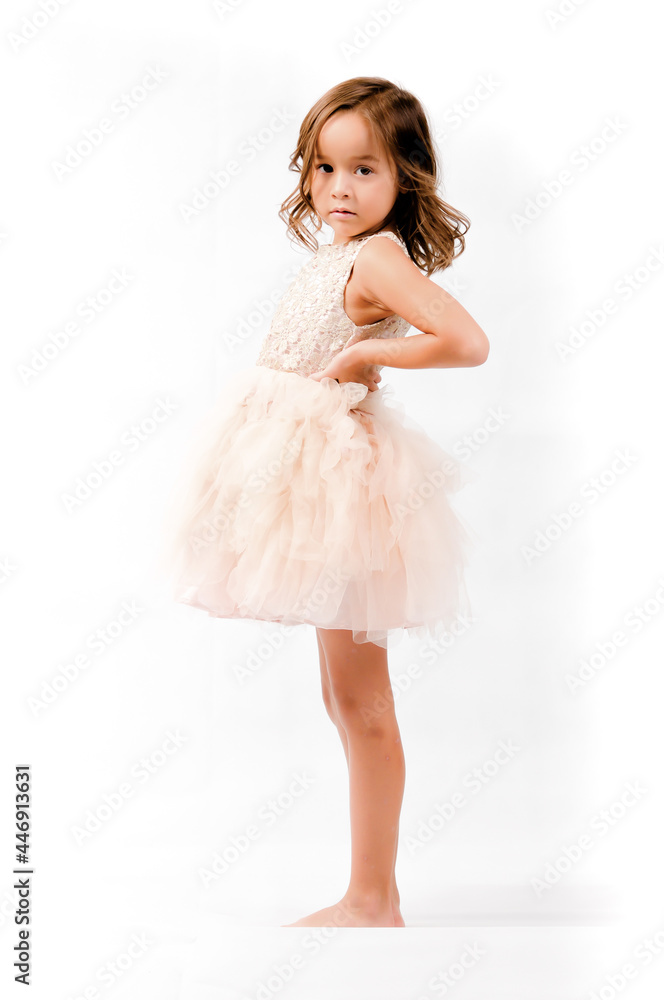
(429, 227)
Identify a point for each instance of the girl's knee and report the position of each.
(357, 716)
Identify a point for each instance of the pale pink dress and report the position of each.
(316, 502)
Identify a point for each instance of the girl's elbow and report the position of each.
(482, 351)
(463, 350)
(476, 352)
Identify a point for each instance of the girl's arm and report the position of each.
(451, 338)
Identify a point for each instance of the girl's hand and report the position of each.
(345, 367)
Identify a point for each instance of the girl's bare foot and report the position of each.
(355, 911)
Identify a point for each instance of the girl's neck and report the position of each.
(354, 239)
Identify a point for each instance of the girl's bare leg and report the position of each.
(355, 680)
(331, 708)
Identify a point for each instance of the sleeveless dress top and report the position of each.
(310, 325)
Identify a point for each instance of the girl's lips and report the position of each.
(341, 211)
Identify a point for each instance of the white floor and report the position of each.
(515, 963)
(485, 943)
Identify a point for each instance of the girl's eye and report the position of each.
(330, 168)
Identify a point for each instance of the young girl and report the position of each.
(311, 499)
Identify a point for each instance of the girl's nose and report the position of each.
(341, 183)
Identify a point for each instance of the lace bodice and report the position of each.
(310, 325)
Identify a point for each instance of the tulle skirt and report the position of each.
(305, 501)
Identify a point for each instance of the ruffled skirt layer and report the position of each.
(307, 501)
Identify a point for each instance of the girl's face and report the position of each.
(352, 173)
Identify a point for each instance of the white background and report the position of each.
(220, 74)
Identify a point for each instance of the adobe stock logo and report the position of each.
(269, 813)
(590, 492)
(602, 823)
(33, 24)
(562, 13)
(364, 34)
(122, 107)
(579, 161)
(622, 292)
